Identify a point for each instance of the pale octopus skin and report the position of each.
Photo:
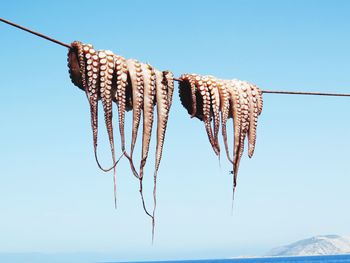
(205, 97)
(132, 85)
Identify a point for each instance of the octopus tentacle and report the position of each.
(136, 79)
(253, 118)
(148, 107)
(215, 106)
(92, 71)
(137, 101)
(169, 76)
(164, 82)
(224, 108)
(244, 102)
(123, 100)
(106, 62)
(235, 106)
(260, 100)
(192, 82)
(204, 92)
(162, 115)
(121, 72)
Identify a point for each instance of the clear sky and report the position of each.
(54, 199)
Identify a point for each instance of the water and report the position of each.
(98, 258)
(309, 259)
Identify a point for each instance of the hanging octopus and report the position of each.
(132, 85)
(205, 97)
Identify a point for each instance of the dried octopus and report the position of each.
(205, 97)
(138, 87)
(132, 85)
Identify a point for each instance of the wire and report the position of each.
(176, 79)
(35, 33)
(306, 93)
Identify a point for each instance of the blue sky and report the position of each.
(53, 198)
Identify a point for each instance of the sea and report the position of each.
(306, 259)
(74, 258)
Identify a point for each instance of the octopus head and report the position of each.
(74, 64)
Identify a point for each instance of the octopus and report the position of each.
(133, 86)
(206, 97)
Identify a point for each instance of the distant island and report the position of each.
(318, 245)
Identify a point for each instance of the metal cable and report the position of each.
(176, 79)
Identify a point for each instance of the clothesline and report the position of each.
(176, 79)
